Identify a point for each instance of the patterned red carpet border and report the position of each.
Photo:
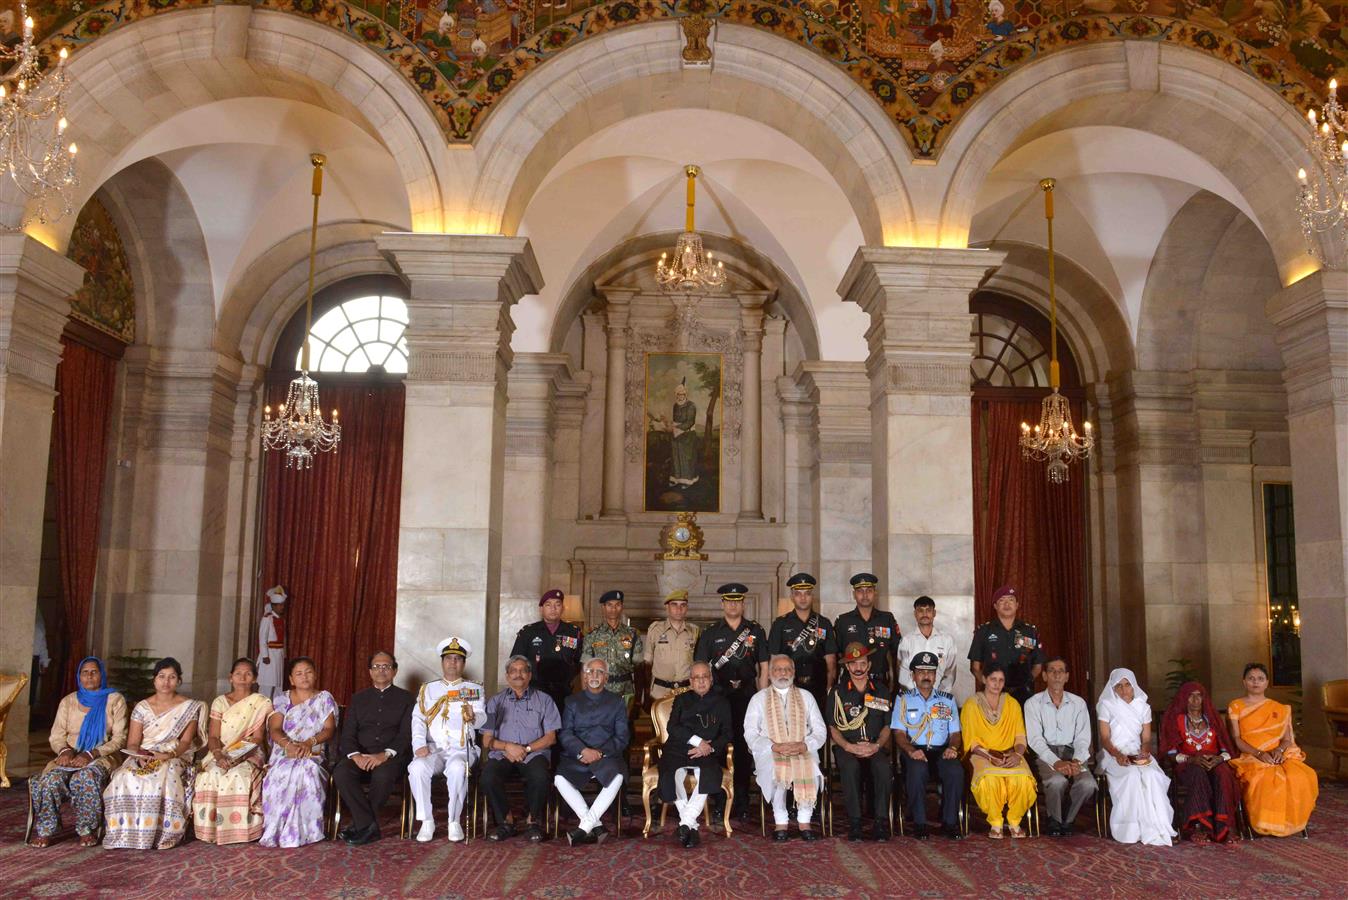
(745, 866)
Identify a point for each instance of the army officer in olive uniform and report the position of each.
(858, 713)
(554, 648)
(737, 650)
(618, 645)
(876, 628)
(808, 638)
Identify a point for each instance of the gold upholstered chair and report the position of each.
(11, 689)
(650, 769)
(1334, 696)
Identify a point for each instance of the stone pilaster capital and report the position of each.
(1311, 317)
(752, 308)
(888, 280)
(617, 313)
(36, 284)
(465, 268)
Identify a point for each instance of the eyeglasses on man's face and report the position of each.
(382, 667)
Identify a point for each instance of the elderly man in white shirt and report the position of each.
(930, 639)
(1058, 730)
(784, 731)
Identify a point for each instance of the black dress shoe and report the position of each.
(683, 835)
(781, 835)
(348, 833)
(533, 834)
(953, 832)
(920, 832)
(879, 832)
(694, 839)
(809, 834)
(365, 836)
(502, 832)
(1054, 827)
(599, 835)
(853, 831)
(1066, 830)
(575, 836)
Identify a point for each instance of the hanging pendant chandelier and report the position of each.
(1054, 440)
(299, 428)
(1322, 197)
(33, 149)
(691, 268)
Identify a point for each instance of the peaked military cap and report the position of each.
(801, 581)
(732, 591)
(864, 580)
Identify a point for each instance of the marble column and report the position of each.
(449, 541)
(751, 426)
(35, 286)
(618, 310)
(1312, 321)
(921, 460)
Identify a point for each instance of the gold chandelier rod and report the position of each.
(1047, 185)
(692, 172)
(318, 160)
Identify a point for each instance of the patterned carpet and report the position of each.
(745, 866)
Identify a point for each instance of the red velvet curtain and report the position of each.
(1030, 533)
(85, 382)
(330, 536)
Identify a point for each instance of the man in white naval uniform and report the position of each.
(271, 646)
(445, 720)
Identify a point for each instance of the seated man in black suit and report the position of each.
(376, 745)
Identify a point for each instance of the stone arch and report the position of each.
(164, 243)
(1088, 316)
(263, 302)
(1233, 122)
(1203, 304)
(759, 75)
(742, 262)
(149, 70)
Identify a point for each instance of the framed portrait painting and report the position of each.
(683, 432)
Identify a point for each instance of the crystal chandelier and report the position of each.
(1322, 200)
(691, 268)
(299, 428)
(33, 148)
(1054, 440)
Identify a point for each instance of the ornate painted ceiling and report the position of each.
(924, 61)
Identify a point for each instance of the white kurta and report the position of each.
(760, 745)
(271, 660)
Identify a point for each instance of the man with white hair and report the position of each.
(445, 720)
(271, 645)
(784, 731)
(594, 739)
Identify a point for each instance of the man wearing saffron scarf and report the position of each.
(784, 731)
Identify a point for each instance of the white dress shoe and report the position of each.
(427, 831)
(455, 832)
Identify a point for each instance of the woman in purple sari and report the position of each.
(293, 790)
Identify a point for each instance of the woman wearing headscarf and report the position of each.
(1138, 789)
(227, 808)
(90, 728)
(994, 740)
(148, 803)
(1279, 788)
(1195, 738)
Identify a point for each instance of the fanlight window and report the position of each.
(1006, 354)
(360, 335)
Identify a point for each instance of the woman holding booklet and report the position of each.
(148, 802)
(227, 808)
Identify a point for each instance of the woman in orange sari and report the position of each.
(1278, 787)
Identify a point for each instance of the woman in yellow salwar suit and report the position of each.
(994, 739)
(1277, 786)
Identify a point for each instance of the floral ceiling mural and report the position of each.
(924, 61)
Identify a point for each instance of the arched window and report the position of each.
(359, 335)
(1011, 348)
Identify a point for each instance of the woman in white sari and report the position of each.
(1138, 789)
(228, 804)
(149, 800)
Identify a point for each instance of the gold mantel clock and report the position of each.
(682, 538)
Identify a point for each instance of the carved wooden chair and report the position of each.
(650, 769)
(1334, 696)
(11, 689)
